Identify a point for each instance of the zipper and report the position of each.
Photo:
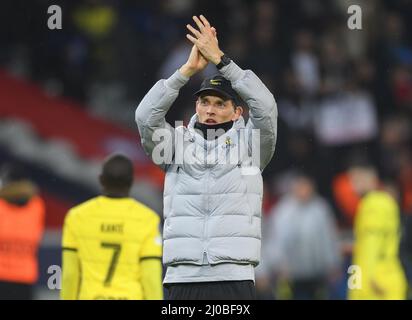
(206, 218)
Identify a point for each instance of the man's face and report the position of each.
(363, 180)
(303, 189)
(212, 109)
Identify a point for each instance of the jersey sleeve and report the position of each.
(70, 275)
(69, 241)
(151, 279)
(152, 245)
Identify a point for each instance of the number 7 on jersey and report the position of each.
(116, 247)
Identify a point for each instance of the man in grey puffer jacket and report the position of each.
(213, 186)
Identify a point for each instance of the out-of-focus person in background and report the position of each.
(302, 244)
(376, 241)
(344, 194)
(405, 249)
(22, 215)
(112, 243)
(405, 252)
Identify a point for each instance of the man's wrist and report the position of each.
(186, 71)
(218, 58)
(224, 61)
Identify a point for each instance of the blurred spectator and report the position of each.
(263, 38)
(402, 87)
(347, 118)
(95, 22)
(344, 188)
(405, 180)
(22, 215)
(376, 231)
(392, 55)
(302, 242)
(395, 134)
(334, 66)
(395, 160)
(345, 196)
(405, 252)
(294, 109)
(305, 64)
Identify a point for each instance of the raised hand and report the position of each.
(195, 63)
(205, 39)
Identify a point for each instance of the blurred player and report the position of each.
(377, 236)
(111, 243)
(302, 241)
(21, 228)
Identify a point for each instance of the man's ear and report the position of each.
(197, 106)
(238, 112)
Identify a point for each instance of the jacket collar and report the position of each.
(231, 133)
(238, 124)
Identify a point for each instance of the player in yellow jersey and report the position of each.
(377, 236)
(111, 244)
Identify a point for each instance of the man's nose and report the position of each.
(210, 110)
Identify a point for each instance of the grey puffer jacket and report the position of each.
(212, 204)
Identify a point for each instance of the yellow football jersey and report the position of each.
(111, 236)
(377, 236)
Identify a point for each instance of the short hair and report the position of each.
(305, 174)
(117, 172)
(11, 172)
